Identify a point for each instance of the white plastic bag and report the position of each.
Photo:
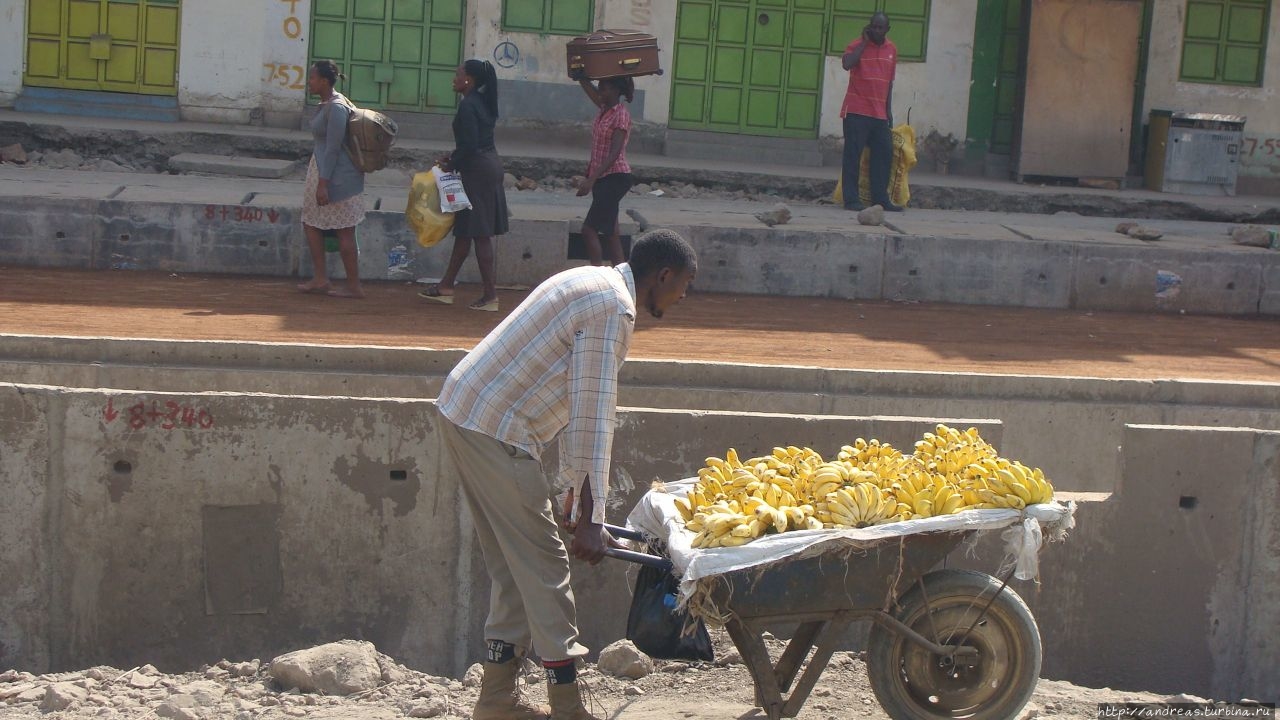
(452, 195)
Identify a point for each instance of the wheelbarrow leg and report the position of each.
(756, 657)
(797, 650)
(834, 633)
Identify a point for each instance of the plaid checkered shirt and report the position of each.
(551, 368)
(607, 120)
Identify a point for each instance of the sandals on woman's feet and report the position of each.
(432, 293)
(485, 305)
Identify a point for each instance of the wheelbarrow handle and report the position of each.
(652, 561)
(625, 533)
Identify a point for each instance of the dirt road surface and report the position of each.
(675, 691)
(729, 328)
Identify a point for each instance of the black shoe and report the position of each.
(890, 207)
(854, 206)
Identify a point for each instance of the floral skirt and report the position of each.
(333, 216)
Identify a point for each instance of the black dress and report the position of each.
(476, 159)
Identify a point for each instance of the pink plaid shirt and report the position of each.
(551, 369)
(617, 117)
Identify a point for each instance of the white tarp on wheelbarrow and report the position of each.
(656, 516)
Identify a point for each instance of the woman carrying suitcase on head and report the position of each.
(476, 159)
(608, 174)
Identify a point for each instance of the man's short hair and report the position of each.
(658, 249)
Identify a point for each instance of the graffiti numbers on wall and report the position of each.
(641, 12)
(286, 76)
(167, 416)
(292, 25)
(240, 213)
(1254, 147)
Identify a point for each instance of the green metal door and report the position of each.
(993, 90)
(397, 54)
(1007, 78)
(111, 45)
(749, 66)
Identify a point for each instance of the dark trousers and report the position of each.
(861, 131)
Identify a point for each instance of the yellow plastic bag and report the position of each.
(904, 158)
(423, 212)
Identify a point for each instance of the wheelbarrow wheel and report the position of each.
(913, 683)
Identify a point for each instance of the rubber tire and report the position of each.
(1007, 627)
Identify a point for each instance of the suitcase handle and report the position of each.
(629, 62)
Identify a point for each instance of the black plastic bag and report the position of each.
(657, 628)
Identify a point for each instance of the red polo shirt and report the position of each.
(870, 80)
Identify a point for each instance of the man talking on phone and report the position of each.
(872, 61)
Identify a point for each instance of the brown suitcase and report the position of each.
(612, 53)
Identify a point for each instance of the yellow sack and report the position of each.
(423, 213)
(904, 158)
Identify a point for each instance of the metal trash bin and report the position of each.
(1193, 153)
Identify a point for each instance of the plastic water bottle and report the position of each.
(1275, 239)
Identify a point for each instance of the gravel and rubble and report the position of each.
(353, 681)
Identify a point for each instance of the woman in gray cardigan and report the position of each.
(332, 199)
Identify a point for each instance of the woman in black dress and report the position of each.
(476, 159)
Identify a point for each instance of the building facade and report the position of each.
(756, 70)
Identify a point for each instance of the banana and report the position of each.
(685, 509)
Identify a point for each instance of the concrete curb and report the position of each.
(260, 234)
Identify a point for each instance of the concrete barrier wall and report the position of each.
(260, 523)
(1173, 583)
(260, 234)
(181, 528)
(170, 528)
(1068, 426)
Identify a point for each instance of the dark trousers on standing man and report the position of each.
(861, 131)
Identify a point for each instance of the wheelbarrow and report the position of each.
(943, 643)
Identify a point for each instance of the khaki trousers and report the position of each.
(530, 600)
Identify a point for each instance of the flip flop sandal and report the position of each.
(432, 293)
(489, 306)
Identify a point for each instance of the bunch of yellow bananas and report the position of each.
(857, 506)
(921, 494)
(870, 483)
(1001, 483)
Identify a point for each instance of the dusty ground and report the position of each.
(733, 328)
(676, 690)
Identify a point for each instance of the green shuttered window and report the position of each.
(1225, 42)
(908, 22)
(550, 17)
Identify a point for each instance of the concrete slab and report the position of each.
(188, 238)
(238, 166)
(952, 230)
(27, 489)
(987, 272)
(766, 261)
(1115, 278)
(14, 185)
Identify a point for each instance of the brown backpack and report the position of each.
(370, 135)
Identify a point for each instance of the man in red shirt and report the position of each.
(872, 62)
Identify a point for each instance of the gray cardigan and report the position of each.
(329, 128)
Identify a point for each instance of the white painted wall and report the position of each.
(935, 91)
(13, 45)
(241, 57)
(658, 18)
(542, 58)
(1260, 105)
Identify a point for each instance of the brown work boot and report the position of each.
(500, 697)
(566, 702)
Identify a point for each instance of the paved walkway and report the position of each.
(950, 191)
